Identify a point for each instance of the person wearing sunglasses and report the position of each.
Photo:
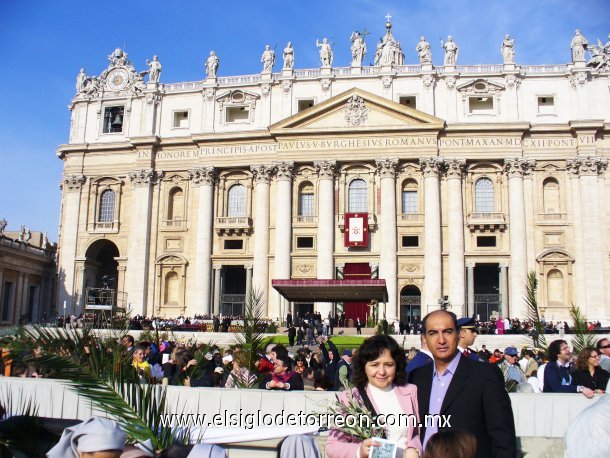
(603, 348)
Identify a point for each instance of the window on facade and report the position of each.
(550, 192)
(481, 105)
(555, 286)
(234, 244)
(409, 197)
(484, 196)
(304, 242)
(304, 104)
(410, 241)
(486, 241)
(181, 119)
(237, 201)
(306, 200)
(546, 105)
(238, 114)
(358, 197)
(113, 119)
(106, 213)
(175, 205)
(408, 100)
(172, 288)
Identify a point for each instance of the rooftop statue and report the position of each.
(118, 57)
(326, 52)
(451, 51)
(358, 47)
(154, 72)
(211, 65)
(579, 44)
(600, 55)
(268, 59)
(508, 50)
(388, 51)
(3, 224)
(423, 51)
(288, 56)
(81, 80)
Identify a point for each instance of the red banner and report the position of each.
(356, 229)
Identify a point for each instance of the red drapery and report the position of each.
(357, 271)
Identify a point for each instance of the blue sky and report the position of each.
(44, 43)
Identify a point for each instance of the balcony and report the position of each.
(486, 221)
(552, 218)
(372, 222)
(173, 225)
(305, 221)
(104, 227)
(410, 219)
(233, 225)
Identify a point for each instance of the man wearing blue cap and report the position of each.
(344, 371)
(468, 334)
(510, 367)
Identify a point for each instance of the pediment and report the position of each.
(237, 96)
(355, 110)
(480, 86)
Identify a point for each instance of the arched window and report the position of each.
(410, 201)
(237, 201)
(306, 200)
(106, 213)
(550, 196)
(175, 205)
(358, 197)
(555, 287)
(172, 288)
(484, 196)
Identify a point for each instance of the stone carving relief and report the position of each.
(356, 111)
(284, 170)
(512, 80)
(386, 167)
(262, 173)
(431, 166)
(409, 268)
(72, 182)
(209, 93)
(480, 87)
(454, 168)
(203, 176)
(578, 78)
(428, 80)
(386, 80)
(325, 84)
(590, 165)
(600, 55)
(388, 50)
(265, 89)
(325, 169)
(286, 86)
(450, 82)
(518, 166)
(144, 177)
(304, 270)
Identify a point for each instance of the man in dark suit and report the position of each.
(422, 358)
(467, 328)
(472, 393)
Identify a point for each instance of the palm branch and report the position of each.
(250, 340)
(532, 312)
(583, 338)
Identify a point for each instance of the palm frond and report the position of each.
(582, 337)
(532, 312)
(251, 338)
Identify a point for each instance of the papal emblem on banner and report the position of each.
(356, 229)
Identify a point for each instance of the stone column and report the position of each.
(433, 276)
(470, 274)
(1, 292)
(594, 257)
(515, 169)
(388, 270)
(203, 178)
(139, 239)
(326, 225)
(283, 229)
(504, 289)
(71, 186)
(217, 273)
(17, 303)
(260, 283)
(455, 232)
(248, 268)
(528, 195)
(579, 280)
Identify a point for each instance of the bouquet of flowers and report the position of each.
(358, 420)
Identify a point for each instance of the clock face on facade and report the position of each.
(117, 79)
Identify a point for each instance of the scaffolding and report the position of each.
(104, 307)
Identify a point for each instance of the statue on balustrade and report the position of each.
(451, 51)
(154, 72)
(326, 52)
(579, 44)
(423, 51)
(358, 47)
(288, 56)
(211, 65)
(508, 50)
(268, 59)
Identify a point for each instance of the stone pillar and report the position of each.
(260, 283)
(433, 276)
(283, 230)
(81, 282)
(17, 303)
(579, 280)
(139, 239)
(203, 178)
(528, 195)
(388, 270)
(470, 274)
(589, 169)
(455, 232)
(515, 169)
(1, 292)
(71, 186)
(326, 225)
(248, 268)
(217, 274)
(504, 289)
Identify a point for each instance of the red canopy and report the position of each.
(352, 290)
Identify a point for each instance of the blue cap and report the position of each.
(466, 323)
(511, 351)
(347, 353)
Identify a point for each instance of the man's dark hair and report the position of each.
(139, 347)
(600, 343)
(451, 314)
(284, 358)
(370, 350)
(129, 339)
(555, 349)
(280, 351)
